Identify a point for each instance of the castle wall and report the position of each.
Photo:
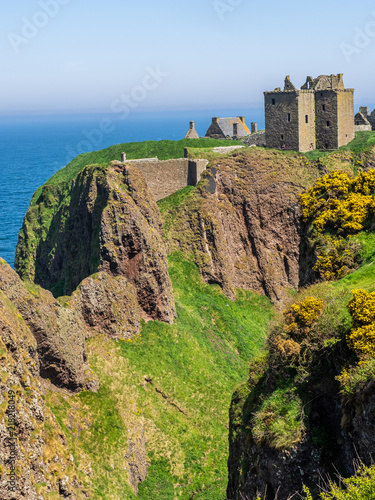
(256, 139)
(345, 107)
(166, 177)
(326, 116)
(306, 119)
(362, 128)
(281, 117)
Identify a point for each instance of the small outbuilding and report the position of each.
(192, 133)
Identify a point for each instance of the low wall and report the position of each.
(165, 177)
(360, 128)
(256, 139)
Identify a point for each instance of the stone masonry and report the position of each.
(192, 133)
(320, 115)
(362, 118)
(165, 177)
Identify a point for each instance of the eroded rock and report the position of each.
(59, 332)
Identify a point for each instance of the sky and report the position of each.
(88, 56)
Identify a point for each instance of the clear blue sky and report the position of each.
(86, 55)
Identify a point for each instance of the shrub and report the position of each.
(355, 378)
(341, 204)
(337, 257)
(287, 343)
(302, 315)
(362, 335)
(358, 487)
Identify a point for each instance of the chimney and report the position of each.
(254, 127)
(242, 119)
(215, 119)
(123, 157)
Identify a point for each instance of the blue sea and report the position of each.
(34, 148)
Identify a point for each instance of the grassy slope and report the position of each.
(176, 382)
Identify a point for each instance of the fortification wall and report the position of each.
(256, 139)
(281, 113)
(345, 100)
(306, 120)
(362, 128)
(166, 177)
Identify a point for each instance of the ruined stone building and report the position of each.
(228, 128)
(320, 115)
(364, 120)
(192, 133)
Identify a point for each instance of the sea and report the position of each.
(33, 148)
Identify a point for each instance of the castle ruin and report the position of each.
(320, 115)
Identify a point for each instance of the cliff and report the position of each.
(34, 460)
(99, 222)
(59, 332)
(243, 225)
(142, 406)
(306, 413)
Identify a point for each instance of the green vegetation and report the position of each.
(359, 487)
(164, 150)
(172, 385)
(279, 422)
(336, 208)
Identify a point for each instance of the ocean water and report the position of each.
(32, 149)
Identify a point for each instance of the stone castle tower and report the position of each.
(320, 115)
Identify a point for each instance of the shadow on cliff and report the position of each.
(325, 450)
(306, 259)
(71, 250)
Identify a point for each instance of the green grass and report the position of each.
(175, 382)
(164, 150)
(279, 421)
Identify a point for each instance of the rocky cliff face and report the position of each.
(244, 228)
(59, 332)
(103, 222)
(34, 460)
(338, 436)
(107, 305)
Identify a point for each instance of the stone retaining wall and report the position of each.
(165, 177)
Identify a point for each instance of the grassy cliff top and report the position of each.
(164, 150)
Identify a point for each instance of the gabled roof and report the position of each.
(225, 126)
(361, 119)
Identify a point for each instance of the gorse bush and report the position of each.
(288, 342)
(304, 313)
(340, 204)
(337, 257)
(336, 208)
(361, 486)
(362, 334)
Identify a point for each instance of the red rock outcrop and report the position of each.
(103, 221)
(243, 227)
